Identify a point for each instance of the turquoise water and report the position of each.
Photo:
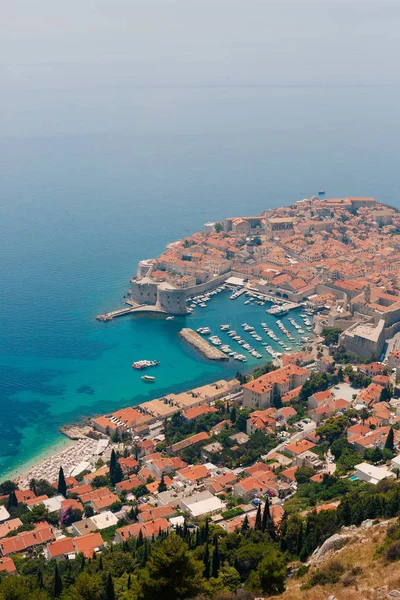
(94, 178)
(353, 478)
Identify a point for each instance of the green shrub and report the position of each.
(392, 552)
(330, 573)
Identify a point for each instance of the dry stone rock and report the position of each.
(331, 543)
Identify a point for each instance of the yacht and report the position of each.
(144, 364)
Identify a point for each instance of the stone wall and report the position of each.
(363, 346)
(144, 293)
(172, 301)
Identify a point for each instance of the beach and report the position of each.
(67, 457)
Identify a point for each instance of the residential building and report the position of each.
(260, 392)
(148, 529)
(371, 473)
(201, 504)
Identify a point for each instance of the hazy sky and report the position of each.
(80, 66)
(201, 41)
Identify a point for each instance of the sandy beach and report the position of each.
(71, 454)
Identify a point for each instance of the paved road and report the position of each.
(331, 466)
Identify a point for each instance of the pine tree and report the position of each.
(258, 523)
(171, 572)
(57, 583)
(110, 594)
(215, 564)
(389, 445)
(162, 486)
(206, 561)
(62, 486)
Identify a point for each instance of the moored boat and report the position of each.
(144, 364)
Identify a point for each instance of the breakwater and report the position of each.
(195, 340)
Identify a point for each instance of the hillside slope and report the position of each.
(361, 570)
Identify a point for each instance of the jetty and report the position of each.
(109, 316)
(133, 307)
(195, 340)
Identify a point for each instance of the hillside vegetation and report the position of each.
(362, 565)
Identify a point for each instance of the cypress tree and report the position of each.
(357, 515)
(113, 462)
(101, 563)
(129, 582)
(215, 564)
(12, 500)
(162, 486)
(40, 579)
(116, 474)
(245, 524)
(390, 440)
(197, 542)
(266, 516)
(345, 511)
(110, 594)
(206, 561)
(139, 539)
(299, 543)
(236, 562)
(145, 554)
(57, 583)
(62, 486)
(283, 531)
(206, 531)
(258, 523)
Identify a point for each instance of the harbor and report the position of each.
(109, 381)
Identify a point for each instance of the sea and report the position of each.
(96, 178)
